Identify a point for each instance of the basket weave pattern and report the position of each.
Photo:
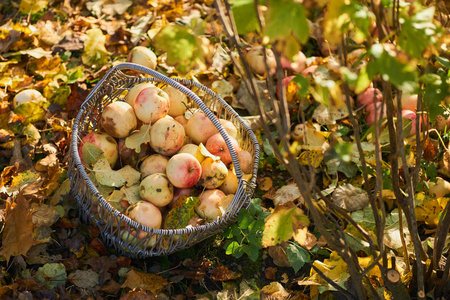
(113, 225)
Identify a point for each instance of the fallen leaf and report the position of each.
(32, 6)
(17, 233)
(288, 193)
(84, 279)
(278, 254)
(222, 273)
(265, 184)
(350, 198)
(95, 53)
(44, 214)
(281, 224)
(270, 273)
(52, 274)
(135, 140)
(108, 177)
(146, 281)
(275, 290)
(325, 115)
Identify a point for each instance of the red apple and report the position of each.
(146, 214)
(370, 110)
(132, 94)
(298, 64)
(216, 145)
(368, 95)
(183, 170)
(309, 70)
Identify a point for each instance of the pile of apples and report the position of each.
(184, 154)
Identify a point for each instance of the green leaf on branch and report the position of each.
(297, 256)
(245, 17)
(400, 73)
(418, 32)
(183, 48)
(294, 28)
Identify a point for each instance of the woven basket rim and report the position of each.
(179, 83)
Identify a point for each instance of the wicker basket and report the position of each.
(115, 226)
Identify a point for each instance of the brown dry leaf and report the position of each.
(18, 230)
(47, 162)
(305, 238)
(270, 273)
(222, 273)
(44, 214)
(278, 254)
(350, 198)
(84, 279)
(429, 150)
(288, 193)
(275, 290)
(146, 281)
(6, 288)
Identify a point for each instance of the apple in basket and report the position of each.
(194, 150)
(199, 127)
(167, 136)
(178, 101)
(214, 172)
(155, 163)
(157, 189)
(118, 119)
(209, 204)
(151, 104)
(229, 127)
(183, 170)
(146, 214)
(104, 142)
(245, 161)
(216, 145)
(132, 94)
